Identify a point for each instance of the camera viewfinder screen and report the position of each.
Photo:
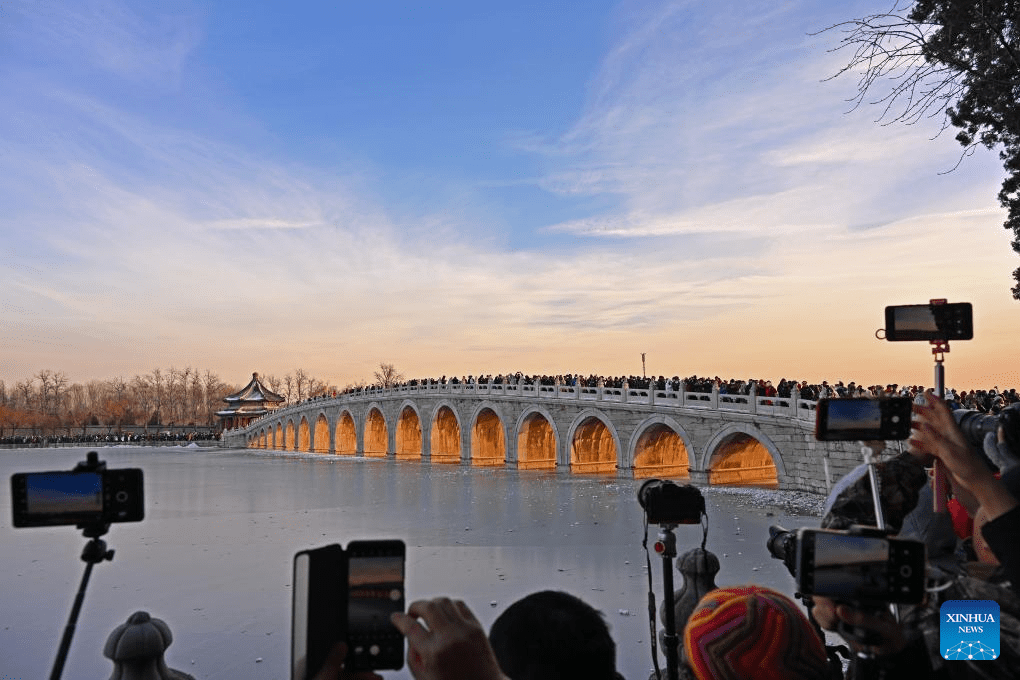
(854, 415)
(916, 319)
(375, 590)
(851, 566)
(64, 493)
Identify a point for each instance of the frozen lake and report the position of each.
(213, 556)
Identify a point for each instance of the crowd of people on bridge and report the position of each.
(136, 438)
(730, 390)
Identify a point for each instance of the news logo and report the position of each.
(969, 630)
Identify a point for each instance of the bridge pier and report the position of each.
(699, 477)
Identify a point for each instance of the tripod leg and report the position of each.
(72, 622)
(670, 639)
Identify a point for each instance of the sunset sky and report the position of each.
(476, 187)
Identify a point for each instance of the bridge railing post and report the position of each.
(752, 401)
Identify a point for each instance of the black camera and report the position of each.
(975, 425)
(863, 419)
(930, 322)
(82, 496)
(348, 596)
(667, 502)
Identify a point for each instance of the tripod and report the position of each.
(94, 552)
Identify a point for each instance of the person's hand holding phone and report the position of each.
(446, 642)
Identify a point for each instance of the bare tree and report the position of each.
(59, 381)
(288, 387)
(157, 394)
(388, 375)
(274, 383)
(43, 399)
(954, 59)
(300, 383)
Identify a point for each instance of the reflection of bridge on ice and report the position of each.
(708, 438)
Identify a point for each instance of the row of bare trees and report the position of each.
(298, 385)
(49, 403)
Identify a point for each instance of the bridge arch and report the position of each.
(262, 438)
(376, 437)
(346, 437)
(320, 434)
(304, 436)
(288, 436)
(537, 440)
(594, 443)
(740, 453)
(278, 436)
(408, 437)
(660, 447)
(445, 433)
(488, 435)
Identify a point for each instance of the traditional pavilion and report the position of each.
(254, 401)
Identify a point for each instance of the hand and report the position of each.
(880, 625)
(936, 432)
(446, 642)
(824, 611)
(333, 668)
(829, 614)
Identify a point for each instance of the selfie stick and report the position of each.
(939, 481)
(95, 552)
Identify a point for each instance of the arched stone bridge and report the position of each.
(707, 438)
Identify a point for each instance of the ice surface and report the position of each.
(213, 556)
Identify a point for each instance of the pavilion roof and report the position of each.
(254, 391)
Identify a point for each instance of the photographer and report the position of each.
(912, 646)
(937, 434)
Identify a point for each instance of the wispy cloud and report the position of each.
(729, 195)
(113, 37)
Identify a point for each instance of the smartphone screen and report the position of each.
(863, 419)
(859, 568)
(64, 493)
(375, 589)
(929, 322)
(54, 498)
(851, 566)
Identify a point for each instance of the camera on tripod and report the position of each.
(667, 502)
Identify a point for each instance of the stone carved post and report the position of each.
(698, 568)
(752, 398)
(136, 649)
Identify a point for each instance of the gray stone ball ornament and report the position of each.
(136, 649)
